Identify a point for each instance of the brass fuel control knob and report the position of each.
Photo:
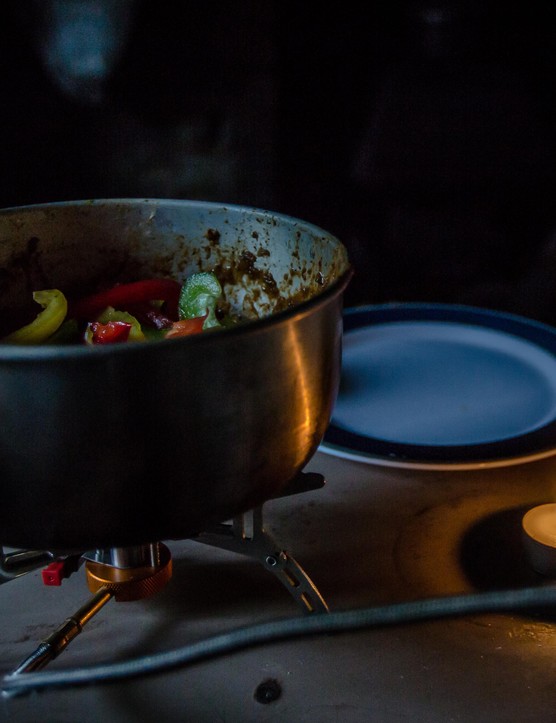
(131, 583)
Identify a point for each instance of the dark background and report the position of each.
(421, 133)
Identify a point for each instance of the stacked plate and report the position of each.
(444, 386)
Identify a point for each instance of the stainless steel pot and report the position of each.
(132, 443)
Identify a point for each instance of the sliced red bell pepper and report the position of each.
(122, 295)
(186, 327)
(112, 332)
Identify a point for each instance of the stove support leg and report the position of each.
(20, 562)
(258, 544)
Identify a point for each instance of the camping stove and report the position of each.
(137, 572)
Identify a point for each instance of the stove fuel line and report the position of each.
(501, 601)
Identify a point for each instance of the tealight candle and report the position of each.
(539, 528)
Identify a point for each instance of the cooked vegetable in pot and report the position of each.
(46, 322)
(130, 312)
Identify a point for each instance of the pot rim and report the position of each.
(9, 352)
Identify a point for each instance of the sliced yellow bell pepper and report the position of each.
(55, 308)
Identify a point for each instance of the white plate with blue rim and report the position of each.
(441, 386)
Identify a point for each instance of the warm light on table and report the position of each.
(539, 528)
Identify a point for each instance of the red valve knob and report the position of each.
(58, 570)
(54, 573)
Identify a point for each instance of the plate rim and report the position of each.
(537, 444)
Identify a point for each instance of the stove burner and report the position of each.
(133, 573)
(129, 573)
